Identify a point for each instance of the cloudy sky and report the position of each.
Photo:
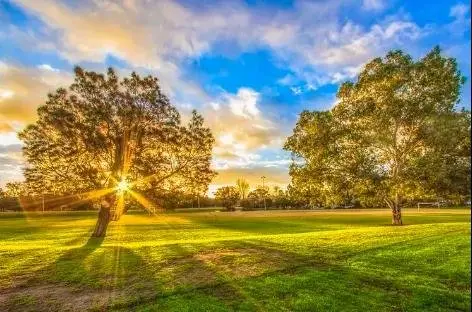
(250, 67)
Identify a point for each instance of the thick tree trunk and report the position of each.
(104, 218)
(102, 222)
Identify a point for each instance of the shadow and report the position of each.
(93, 276)
(253, 276)
(70, 266)
(195, 274)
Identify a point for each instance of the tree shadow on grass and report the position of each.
(190, 275)
(251, 276)
(104, 267)
(93, 276)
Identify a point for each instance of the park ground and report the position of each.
(237, 261)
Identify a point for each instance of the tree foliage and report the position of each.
(102, 130)
(395, 134)
(228, 195)
(14, 189)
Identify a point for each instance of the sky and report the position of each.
(249, 67)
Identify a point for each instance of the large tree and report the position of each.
(388, 136)
(104, 137)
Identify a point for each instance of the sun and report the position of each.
(122, 186)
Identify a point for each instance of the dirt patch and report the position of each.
(245, 262)
(58, 297)
(218, 266)
(184, 273)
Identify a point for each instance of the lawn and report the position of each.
(239, 261)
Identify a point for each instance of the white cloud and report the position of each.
(461, 23)
(459, 11)
(159, 35)
(22, 89)
(287, 80)
(9, 138)
(296, 90)
(11, 160)
(226, 139)
(236, 120)
(215, 105)
(5, 94)
(48, 67)
(244, 103)
(374, 5)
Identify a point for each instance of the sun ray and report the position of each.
(120, 205)
(74, 199)
(146, 203)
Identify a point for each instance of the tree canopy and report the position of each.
(394, 134)
(102, 130)
(228, 195)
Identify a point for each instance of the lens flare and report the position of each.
(122, 186)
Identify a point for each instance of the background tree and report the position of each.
(388, 126)
(279, 198)
(258, 196)
(243, 188)
(3, 197)
(228, 195)
(14, 189)
(102, 130)
(10, 196)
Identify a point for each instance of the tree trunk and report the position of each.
(397, 216)
(102, 222)
(397, 211)
(395, 206)
(104, 218)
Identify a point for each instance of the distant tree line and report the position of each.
(260, 198)
(16, 197)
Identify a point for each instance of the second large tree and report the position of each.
(394, 133)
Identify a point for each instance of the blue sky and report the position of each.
(250, 67)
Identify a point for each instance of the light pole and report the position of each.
(263, 187)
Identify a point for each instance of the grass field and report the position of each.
(242, 261)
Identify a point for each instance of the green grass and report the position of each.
(252, 261)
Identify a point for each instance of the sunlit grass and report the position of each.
(292, 261)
